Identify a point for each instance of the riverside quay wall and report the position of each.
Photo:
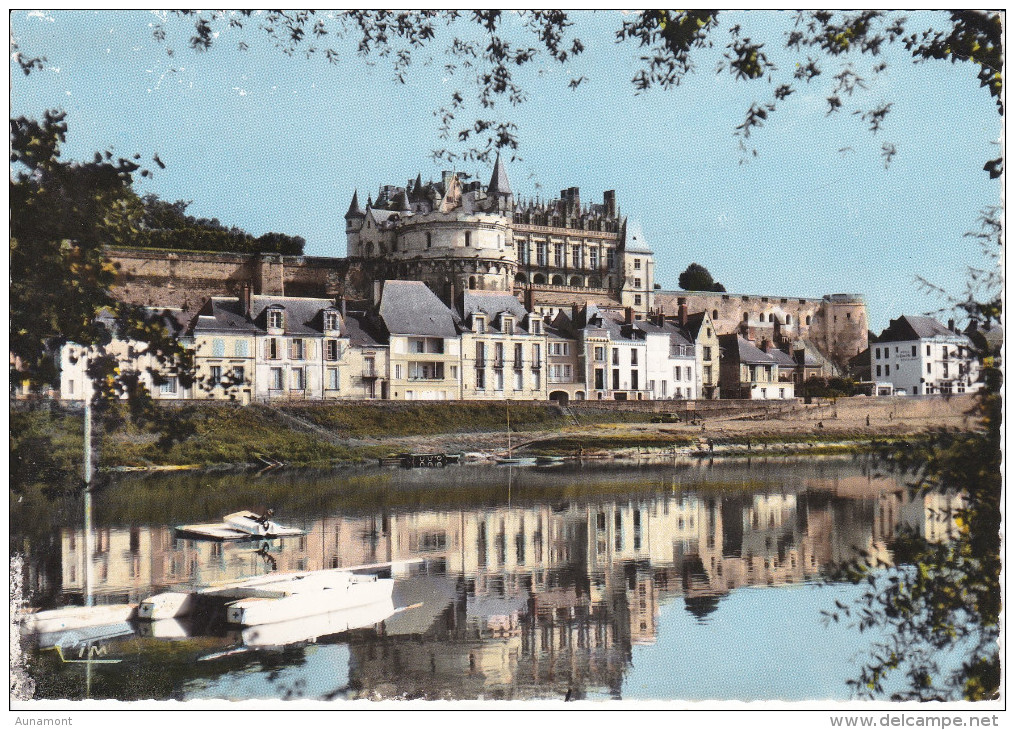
(835, 324)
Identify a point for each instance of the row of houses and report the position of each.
(409, 345)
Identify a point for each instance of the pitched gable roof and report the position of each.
(907, 328)
(410, 308)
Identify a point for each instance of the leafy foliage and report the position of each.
(819, 387)
(846, 48)
(167, 225)
(697, 278)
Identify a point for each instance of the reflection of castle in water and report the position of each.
(536, 600)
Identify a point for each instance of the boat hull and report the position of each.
(309, 598)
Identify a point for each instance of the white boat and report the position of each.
(73, 618)
(310, 628)
(308, 595)
(241, 526)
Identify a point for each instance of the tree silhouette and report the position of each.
(697, 278)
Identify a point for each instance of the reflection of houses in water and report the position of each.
(532, 600)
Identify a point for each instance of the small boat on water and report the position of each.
(241, 526)
(549, 460)
(309, 595)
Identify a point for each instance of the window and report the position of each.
(331, 320)
(560, 349)
(637, 283)
(218, 347)
(398, 371)
(913, 352)
(687, 372)
(480, 354)
(706, 353)
(426, 371)
(708, 374)
(298, 380)
(70, 387)
(541, 253)
(537, 355)
(275, 318)
(509, 325)
(480, 323)
(593, 258)
(676, 373)
(877, 369)
(637, 264)
(240, 348)
(536, 380)
(480, 379)
(637, 300)
(297, 349)
(576, 257)
(771, 317)
(429, 240)
(271, 348)
(498, 354)
(558, 254)
(600, 354)
(928, 368)
(611, 257)
(518, 354)
(276, 378)
(634, 356)
(928, 350)
(747, 316)
(808, 319)
(331, 350)
(944, 370)
(332, 378)
(368, 367)
(239, 375)
(468, 238)
(215, 375)
(519, 380)
(615, 356)
(166, 388)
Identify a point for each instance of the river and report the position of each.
(605, 579)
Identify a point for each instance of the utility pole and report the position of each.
(89, 587)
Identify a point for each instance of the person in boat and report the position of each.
(265, 519)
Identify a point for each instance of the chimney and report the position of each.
(530, 303)
(628, 315)
(574, 312)
(245, 299)
(682, 314)
(341, 305)
(951, 324)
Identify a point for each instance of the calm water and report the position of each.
(601, 580)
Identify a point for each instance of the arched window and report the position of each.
(538, 279)
(520, 278)
(747, 316)
(595, 282)
(789, 319)
(771, 317)
(576, 281)
(715, 314)
(808, 319)
(558, 280)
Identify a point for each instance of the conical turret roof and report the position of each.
(499, 180)
(354, 210)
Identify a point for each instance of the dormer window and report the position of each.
(480, 323)
(509, 325)
(535, 326)
(331, 320)
(276, 318)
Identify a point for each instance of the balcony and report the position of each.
(370, 374)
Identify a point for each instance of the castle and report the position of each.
(457, 235)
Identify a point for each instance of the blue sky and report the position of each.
(267, 142)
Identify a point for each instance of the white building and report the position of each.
(920, 356)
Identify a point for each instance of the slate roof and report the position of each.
(782, 359)
(744, 350)
(499, 180)
(363, 331)
(907, 328)
(222, 315)
(302, 314)
(492, 304)
(410, 308)
(634, 240)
